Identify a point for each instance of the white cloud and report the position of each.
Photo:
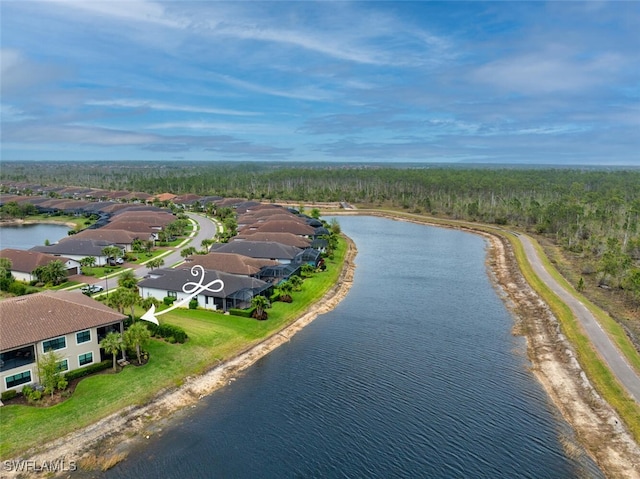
(549, 71)
(155, 105)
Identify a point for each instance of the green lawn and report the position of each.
(213, 337)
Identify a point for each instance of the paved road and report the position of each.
(207, 230)
(607, 350)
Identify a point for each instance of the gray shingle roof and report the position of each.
(173, 279)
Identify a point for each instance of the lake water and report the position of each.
(415, 374)
(28, 236)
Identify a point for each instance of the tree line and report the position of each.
(592, 213)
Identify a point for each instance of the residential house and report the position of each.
(121, 238)
(230, 263)
(77, 248)
(24, 262)
(283, 254)
(238, 290)
(67, 322)
(283, 238)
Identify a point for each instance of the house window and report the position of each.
(18, 379)
(54, 344)
(17, 358)
(84, 359)
(172, 294)
(63, 365)
(83, 336)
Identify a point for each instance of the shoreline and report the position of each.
(109, 440)
(596, 425)
(22, 222)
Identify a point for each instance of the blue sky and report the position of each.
(501, 82)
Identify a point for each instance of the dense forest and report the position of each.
(593, 214)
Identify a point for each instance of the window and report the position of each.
(53, 344)
(84, 359)
(18, 379)
(63, 365)
(83, 336)
(17, 357)
(172, 294)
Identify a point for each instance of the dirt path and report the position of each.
(596, 425)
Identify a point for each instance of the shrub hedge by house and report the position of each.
(10, 394)
(168, 300)
(92, 368)
(168, 331)
(243, 313)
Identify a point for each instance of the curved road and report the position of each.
(627, 376)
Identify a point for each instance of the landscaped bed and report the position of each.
(213, 337)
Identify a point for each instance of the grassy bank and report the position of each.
(596, 370)
(213, 337)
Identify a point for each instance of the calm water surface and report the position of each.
(28, 236)
(414, 375)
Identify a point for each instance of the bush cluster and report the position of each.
(92, 368)
(173, 334)
(10, 394)
(244, 313)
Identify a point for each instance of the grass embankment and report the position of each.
(596, 370)
(213, 337)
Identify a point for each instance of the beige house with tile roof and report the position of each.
(24, 262)
(67, 322)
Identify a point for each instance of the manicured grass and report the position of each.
(213, 337)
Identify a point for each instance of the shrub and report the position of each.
(244, 313)
(168, 331)
(92, 368)
(17, 288)
(10, 394)
(193, 304)
(168, 300)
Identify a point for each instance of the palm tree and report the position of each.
(186, 252)
(137, 335)
(286, 288)
(127, 279)
(112, 252)
(260, 303)
(155, 263)
(296, 282)
(112, 344)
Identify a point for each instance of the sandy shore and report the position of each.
(596, 425)
(17, 222)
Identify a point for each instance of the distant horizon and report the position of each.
(460, 83)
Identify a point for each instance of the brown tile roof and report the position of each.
(230, 263)
(282, 226)
(35, 317)
(112, 235)
(283, 238)
(165, 196)
(26, 261)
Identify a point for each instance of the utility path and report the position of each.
(627, 376)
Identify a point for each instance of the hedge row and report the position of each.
(168, 331)
(92, 368)
(243, 313)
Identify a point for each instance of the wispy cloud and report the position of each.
(155, 105)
